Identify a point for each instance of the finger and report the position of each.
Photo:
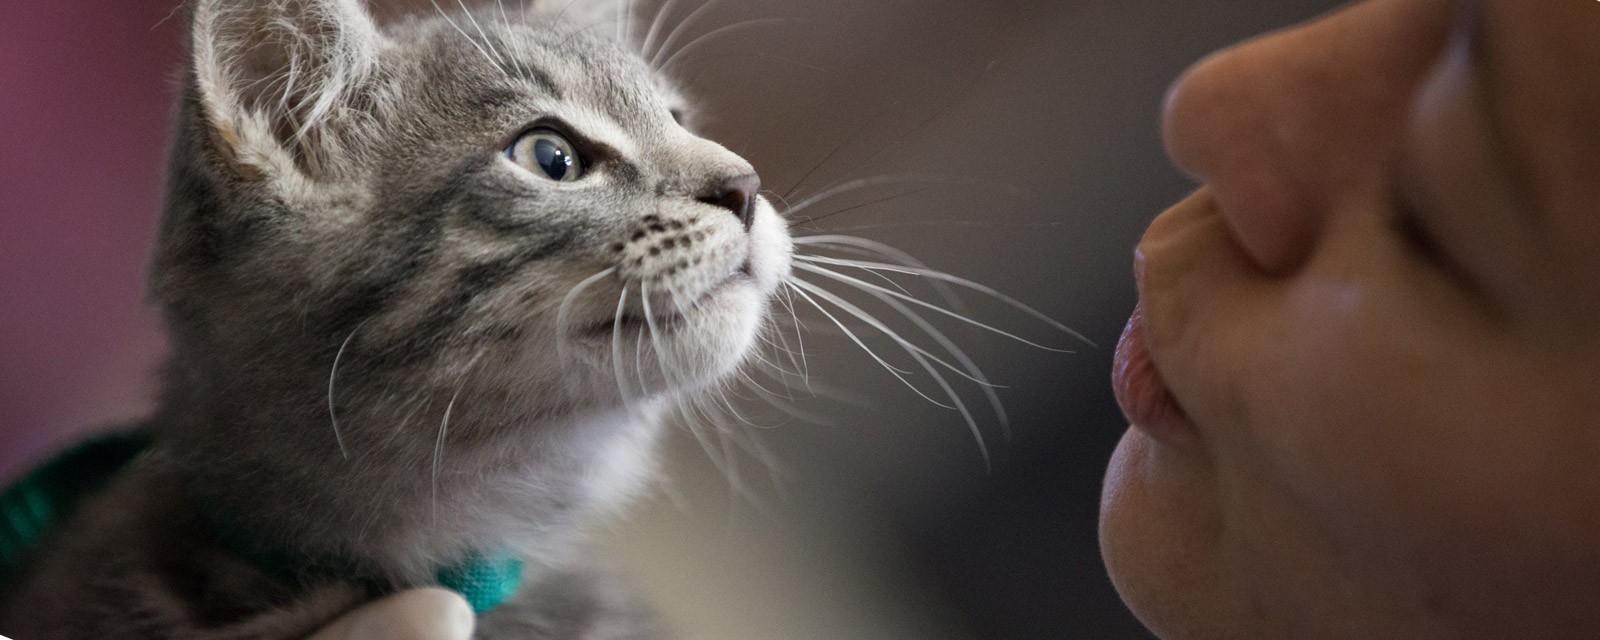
(423, 614)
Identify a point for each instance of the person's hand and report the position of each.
(423, 614)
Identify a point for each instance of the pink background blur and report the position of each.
(84, 96)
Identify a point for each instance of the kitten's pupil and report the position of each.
(553, 160)
(546, 153)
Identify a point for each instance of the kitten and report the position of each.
(431, 287)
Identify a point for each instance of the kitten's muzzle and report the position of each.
(736, 194)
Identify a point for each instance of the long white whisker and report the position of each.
(873, 181)
(853, 338)
(655, 345)
(564, 311)
(954, 350)
(332, 415)
(505, 20)
(880, 250)
(687, 407)
(895, 336)
(487, 56)
(812, 220)
(956, 280)
(848, 140)
(784, 404)
(666, 45)
(500, 61)
(662, 14)
(916, 354)
(781, 345)
(713, 35)
(799, 335)
(616, 349)
(761, 389)
(862, 284)
(444, 428)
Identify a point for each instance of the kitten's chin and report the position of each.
(670, 353)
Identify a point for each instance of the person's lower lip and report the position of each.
(1146, 401)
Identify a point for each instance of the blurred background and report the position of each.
(1022, 146)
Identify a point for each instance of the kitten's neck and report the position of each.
(448, 481)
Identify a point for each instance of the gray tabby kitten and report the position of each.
(431, 286)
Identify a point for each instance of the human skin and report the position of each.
(1365, 373)
(420, 614)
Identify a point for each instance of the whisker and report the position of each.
(957, 99)
(784, 403)
(799, 336)
(853, 135)
(890, 333)
(505, 20)
(487, 56)
(830, 214)
(678, 30)
(714, 34)
(332, 416)
(501, 60)
(444, 428)
(559, 15)
(859, 283)
(896, 372)
(873, 181)
(955, 351)
(985, 224)
(662, 13)
(616, 348)
(563, 312)
(956, 280)
(916, 354)
(875, 249)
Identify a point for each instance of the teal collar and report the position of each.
(485, 579)
(31, 508)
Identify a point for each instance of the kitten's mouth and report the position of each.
(661, 323)
(668, 320)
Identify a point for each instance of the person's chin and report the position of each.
(1158, 531)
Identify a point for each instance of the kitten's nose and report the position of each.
(736, 194)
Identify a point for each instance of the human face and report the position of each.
(1364, 375)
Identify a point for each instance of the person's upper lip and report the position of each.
(1140, 389)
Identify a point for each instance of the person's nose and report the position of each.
(1284, 127)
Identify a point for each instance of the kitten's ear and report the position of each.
(279, 81)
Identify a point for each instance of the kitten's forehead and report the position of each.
(538, 64)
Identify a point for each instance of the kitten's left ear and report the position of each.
(279, 81)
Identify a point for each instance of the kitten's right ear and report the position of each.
(280, 80)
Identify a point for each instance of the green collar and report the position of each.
(484, 579)
(35, 505)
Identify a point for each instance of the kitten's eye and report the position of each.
(545, 152)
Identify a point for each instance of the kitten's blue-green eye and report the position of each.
(546, 153)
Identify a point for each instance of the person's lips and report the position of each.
(1144, 397)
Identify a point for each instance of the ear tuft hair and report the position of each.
(280, 80)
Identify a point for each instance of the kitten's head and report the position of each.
(509, 195)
